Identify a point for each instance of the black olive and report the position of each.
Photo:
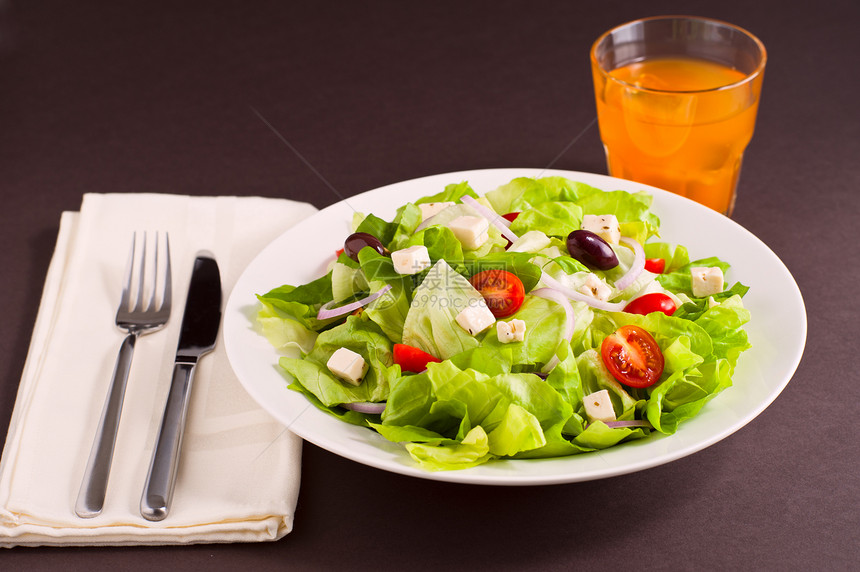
(591, 250)
(358, 240)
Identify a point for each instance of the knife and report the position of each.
(196, 338)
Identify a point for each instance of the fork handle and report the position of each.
(91, 497)
(161, 479)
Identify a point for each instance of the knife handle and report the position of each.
(160, 481)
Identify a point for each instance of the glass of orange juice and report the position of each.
(677, 98)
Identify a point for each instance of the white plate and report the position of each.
(777, 332)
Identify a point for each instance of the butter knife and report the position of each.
(197, 337)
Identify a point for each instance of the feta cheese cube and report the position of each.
(411, 260)
(476, 318)
(432, 209)
(471, 231)
(604, 226)
(706, 281)
(595, 287)
(513, 331)
(347, 365)
(598, 406)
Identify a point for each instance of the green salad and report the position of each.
(545, 318)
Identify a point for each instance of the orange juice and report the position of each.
(678, 123)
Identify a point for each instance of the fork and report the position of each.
(136, 319)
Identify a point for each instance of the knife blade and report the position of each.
(197, 337)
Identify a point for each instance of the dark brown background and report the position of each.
(148, 96)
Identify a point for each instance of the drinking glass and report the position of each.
(677, 98)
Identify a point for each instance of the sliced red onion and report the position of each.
(425, 223)
(326, 311)
(631, 423)
(636, 268)
(580, 297)
(365, 407)
(497, 220)
(570, 318)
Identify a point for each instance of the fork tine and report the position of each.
(126, 288)
(150, 304)
(141, 275)
(166, 299)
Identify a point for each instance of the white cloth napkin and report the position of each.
(239, 472)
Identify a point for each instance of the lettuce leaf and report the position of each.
(283, 332)
(430, 324)
(524, 193)
(465, 417)
(675, 256)
(301, 303)
(360, 335)
(452, 193)
(347, 281)
(625, 206)
(440, 242)
(545, 322)
(553, 218)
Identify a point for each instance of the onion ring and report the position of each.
(497, 220)
(636, 268)
(580, 297)
(365, 407)
(326, 310)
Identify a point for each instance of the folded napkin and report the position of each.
(238, 478)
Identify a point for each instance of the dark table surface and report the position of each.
(152, 96)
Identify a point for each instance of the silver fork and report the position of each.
(136, 319)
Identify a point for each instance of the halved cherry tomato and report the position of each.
(502, 290)
(653, 302)
(632, 356)
(655, 265)
(412, 359)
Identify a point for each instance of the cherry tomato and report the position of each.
(654, 302)
(655, 265)
(411, 358)
(338, 252)
(503, 291)
(632, 356)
